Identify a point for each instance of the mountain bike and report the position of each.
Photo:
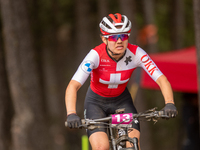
(119, 125)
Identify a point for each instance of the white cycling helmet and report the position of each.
(115, 23)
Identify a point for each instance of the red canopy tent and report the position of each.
(180, 68)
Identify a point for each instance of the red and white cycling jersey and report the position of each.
(108, 77)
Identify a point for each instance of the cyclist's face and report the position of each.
(118, 47)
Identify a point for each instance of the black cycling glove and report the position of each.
(170, 110)
(73, 121)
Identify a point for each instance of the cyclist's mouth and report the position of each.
(119, 47)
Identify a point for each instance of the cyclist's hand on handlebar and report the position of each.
(170, 110)
(73, 121)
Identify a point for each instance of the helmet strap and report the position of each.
(113, 54)
(108, 49)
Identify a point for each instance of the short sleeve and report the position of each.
(90, 62)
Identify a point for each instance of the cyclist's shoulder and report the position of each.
(133, 48)
(136, 50)
(96, 53)
(100, 48)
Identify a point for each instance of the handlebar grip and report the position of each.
(82, 121)
(161, 113)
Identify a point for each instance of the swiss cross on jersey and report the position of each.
(115, 80)
(113, 74)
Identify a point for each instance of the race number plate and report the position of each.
(123, 119)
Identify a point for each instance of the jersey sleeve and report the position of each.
(91, 61)
(147, 64)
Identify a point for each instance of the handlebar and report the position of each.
(87, 122)
(149, 115)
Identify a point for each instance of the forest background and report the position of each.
(42, 42)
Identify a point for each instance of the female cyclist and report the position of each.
(110, 66)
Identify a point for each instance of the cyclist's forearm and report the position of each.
(71, 96)
(166, 89)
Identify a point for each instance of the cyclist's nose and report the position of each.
(119, 40)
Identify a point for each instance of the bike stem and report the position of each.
(113, 140)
